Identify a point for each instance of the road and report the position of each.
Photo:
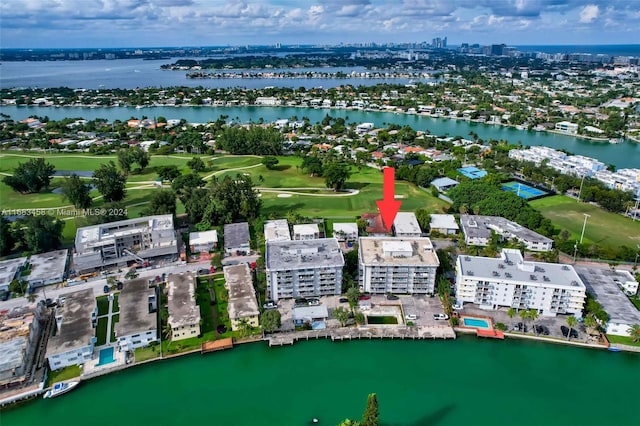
(97, 284)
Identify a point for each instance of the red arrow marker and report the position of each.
(389, 206)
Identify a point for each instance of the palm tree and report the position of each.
(571, 322)
(634, 333)
(590, 322)
(511, 313)
(244, 327)
(533, 316)
(524, 316)
(31, 297)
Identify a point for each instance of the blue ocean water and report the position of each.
(605, 49)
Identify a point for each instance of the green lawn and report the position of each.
(149, 352)
(203, 299)
(114, 320)
(116, 306)
(231, 162)
(603, 228)
(63, 374)
(621, 340)
(101, 331)
(103, 305)
(382, 320)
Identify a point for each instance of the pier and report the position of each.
(217, 345)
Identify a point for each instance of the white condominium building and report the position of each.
(397, 265)
(510, 281)
(303, 268)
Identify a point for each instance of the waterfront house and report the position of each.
(236, 238)
(138, 324)
(303, 268)
(243, 304)
(397, 265)
(567, 127)
(511, 282)
(315, 316)
(74, 338)
(184, 313)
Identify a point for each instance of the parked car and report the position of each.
(343, 300)
(520, 327)
(440, 317)
(203, 272)
(120, 285)
(105, 289)
(364, 297)
(50, 303)
(314, 302)
(411, 317)
(270, 304)
(458, 307)
(5, 296)
(565, 331)
(541, 329)
(392, 297)
(301, 301)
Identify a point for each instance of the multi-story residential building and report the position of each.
(20, 333)
(397, 265)
(138, 324)
(277, 230)
(576, 165)
(236, 238)
(74, 337)
(307, 231)
(117, 243)
(303, 268)
(9, 270)
(623, 179)
(406, 225)
(512, 282)
(48, 268)
(477, 232)
(243, 305)
(345, 231)
(203, 241)
(184, 313)
(567, 127)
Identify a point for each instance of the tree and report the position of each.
(76, 191)
(18, 287)
(110, 182)
(511, 312)
(312, 165)
(352, 295)
(195, 201)
(336, 174)
(196, 164)
(590, 323)
(31, 297)
(424, 219)
(168, 173)
(31, 176)
(230, 199)
(533, 316)
(190, 180)
(370, 416)
(270, 162)
(524, 316)
(270, 320)
(634, 333)
(571, 322)
(125, 160)
(40, 233)
(162, 202)
(138, 155)
(131, 274)
(359, 318)
(245, 327)
(342, 315)
(6, 237)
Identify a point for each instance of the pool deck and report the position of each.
(91, 367)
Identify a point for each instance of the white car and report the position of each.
(458, 307)
(440, 316)
(411, 317)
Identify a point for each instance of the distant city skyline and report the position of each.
(155, 23)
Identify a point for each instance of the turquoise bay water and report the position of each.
(417, 382)
(626, 154)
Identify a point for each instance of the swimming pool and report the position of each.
(106, 357)
(522, 190)
(475, 322)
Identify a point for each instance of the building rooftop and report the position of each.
(318, 253)
(406, 223)
(378, 251)
(8, 269)
(376, 225)
(96, 233)
(236, 235)
(183, 309)
(443, 182)
(12, 353)
(46, 266)
(346, 227)
(277, 230)
(242, 296)
(206, 237)
(481, 227)
(603, 284)
(75, 328)
(443, 221)
(135, 315)
(511, 266)
(309, 312)
(306, 229)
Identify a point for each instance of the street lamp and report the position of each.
(575, 252)
(584, 225)
(581, 183)
(635, 264)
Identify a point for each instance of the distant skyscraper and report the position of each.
(497, 49)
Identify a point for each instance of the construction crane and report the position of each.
(143, 262)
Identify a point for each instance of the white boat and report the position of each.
(60, 388)
(615, 140)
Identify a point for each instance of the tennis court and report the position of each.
(472, 172)
(523, 190)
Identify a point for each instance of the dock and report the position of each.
(217, 345)
(350, 333)
(491, 334)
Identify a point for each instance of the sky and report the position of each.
(150, 23)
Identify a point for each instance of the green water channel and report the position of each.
(463, 382)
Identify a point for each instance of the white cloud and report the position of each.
(589, 13)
